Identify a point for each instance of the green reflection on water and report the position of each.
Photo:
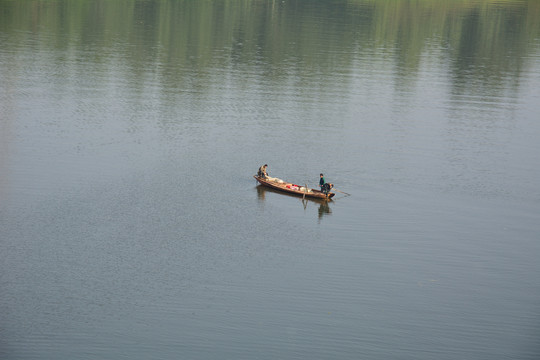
(316, 35)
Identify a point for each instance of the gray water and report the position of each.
(131, 226)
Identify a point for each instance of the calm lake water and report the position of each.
(131, 226)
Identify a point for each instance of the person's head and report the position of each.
(265, 165)
(322, 175)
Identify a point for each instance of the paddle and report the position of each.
(342, 192)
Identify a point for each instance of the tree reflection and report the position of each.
(170, 36)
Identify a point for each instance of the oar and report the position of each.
(342, 192)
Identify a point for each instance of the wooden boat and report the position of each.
(291, 188)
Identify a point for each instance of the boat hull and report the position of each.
(313, 193)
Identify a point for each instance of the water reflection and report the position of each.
(264, 37)
(324, 205)
(324, 208)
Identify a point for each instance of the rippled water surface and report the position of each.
(131, 226)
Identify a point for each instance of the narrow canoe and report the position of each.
(290, 188)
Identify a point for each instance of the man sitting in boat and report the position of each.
(325, 187)
(262, 171)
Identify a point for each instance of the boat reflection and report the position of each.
(324, 204)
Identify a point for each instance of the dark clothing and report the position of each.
(325, 187)
(262, 172)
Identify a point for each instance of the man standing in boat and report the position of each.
(325, 187)
(262, 171)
